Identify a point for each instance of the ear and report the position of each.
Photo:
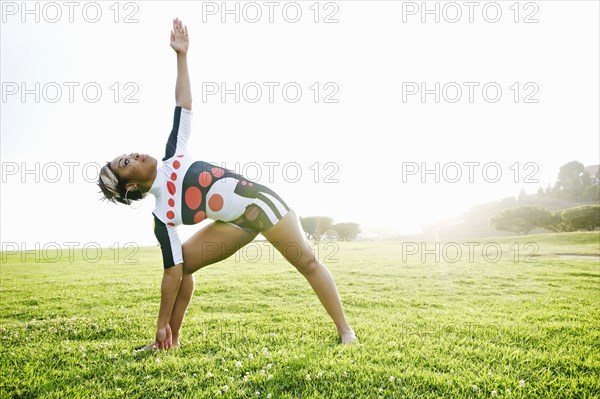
(131, 186)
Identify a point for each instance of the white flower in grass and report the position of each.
(494, 393)
(257, 393)
(269, 365)
(157, 360)
(490, 374)
(392, 378)
(209, 374)
(522, 384)
(251, 356)
(320, 373)
(247, 373)
(262, 372)
(307, 377)
(219, 393)
(225, 370)
(245, 378)
(265, 350)
(475, 389)
(269, 396)
(238, 364)
(231, 379)
(508, 392)
(225, 388)
(270, 377)
(380, 389)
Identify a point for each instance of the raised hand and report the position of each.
(179, 37)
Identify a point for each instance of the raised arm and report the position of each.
(180, 43)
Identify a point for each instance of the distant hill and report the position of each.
(576, 185)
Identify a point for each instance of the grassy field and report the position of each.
(460, 320)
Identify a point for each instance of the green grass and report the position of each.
(518, 327)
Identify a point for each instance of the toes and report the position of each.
(148, 347)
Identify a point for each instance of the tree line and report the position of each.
(574, 187)
(316, 227)
(574, 183)
(523, 219)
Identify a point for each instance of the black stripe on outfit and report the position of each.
(270, 203)
(162, 235)
(172, 141)
(272, 193)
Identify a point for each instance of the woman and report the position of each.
(188, 191)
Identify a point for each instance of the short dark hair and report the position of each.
(114, 189)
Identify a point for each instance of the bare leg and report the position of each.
(287, 236)
(213, 243)
(184, 295)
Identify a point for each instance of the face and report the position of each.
(135, 168)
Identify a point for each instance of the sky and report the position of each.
(390, 114)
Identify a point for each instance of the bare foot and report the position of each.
(348, 337)
(153, 346)
(150, 347)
